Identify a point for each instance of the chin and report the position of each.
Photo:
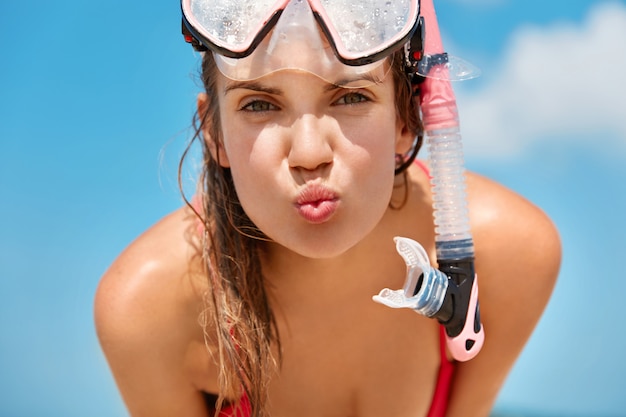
(324, 253)
(327, 244)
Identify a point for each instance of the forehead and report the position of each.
(302, 84)
(292, 78)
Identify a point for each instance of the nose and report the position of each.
(311, 147)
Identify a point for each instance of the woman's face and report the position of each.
(313, 163)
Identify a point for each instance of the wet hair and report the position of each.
(238, 322)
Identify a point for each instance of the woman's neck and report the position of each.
(364, 268)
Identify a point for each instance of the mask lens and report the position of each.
(230, 25)
(334, 39)
(297, 43)
(360, 31)
(367, 28)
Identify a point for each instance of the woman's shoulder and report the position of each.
(151, 284)
(518, 256)
(505, 223)
(147, 310)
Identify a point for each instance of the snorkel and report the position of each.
(449, 294)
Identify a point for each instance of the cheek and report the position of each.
(254, 165)
(237, 144)
(372, 157)
(377, 139)
(251, 151)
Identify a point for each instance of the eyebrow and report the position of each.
(251, 85)
(344, 82)
(256, 86)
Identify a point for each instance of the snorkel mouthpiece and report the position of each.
(425, 287)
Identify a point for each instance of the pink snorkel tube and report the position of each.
(450, 293)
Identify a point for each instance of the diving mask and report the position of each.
(333, 39)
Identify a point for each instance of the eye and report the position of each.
(258, 106)
(352, 98)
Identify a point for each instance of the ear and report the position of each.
(404, 137)
(215, 146)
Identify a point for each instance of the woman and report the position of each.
(256, 298)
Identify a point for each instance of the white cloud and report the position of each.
(562, 82)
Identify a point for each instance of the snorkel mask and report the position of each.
(335, 40)
(345, 43)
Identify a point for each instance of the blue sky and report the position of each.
(95, 103)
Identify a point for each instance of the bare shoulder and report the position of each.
(518, 255)
(146, 312)
(510, 231)
(152, 273)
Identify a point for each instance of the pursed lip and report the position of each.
(316, 203)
